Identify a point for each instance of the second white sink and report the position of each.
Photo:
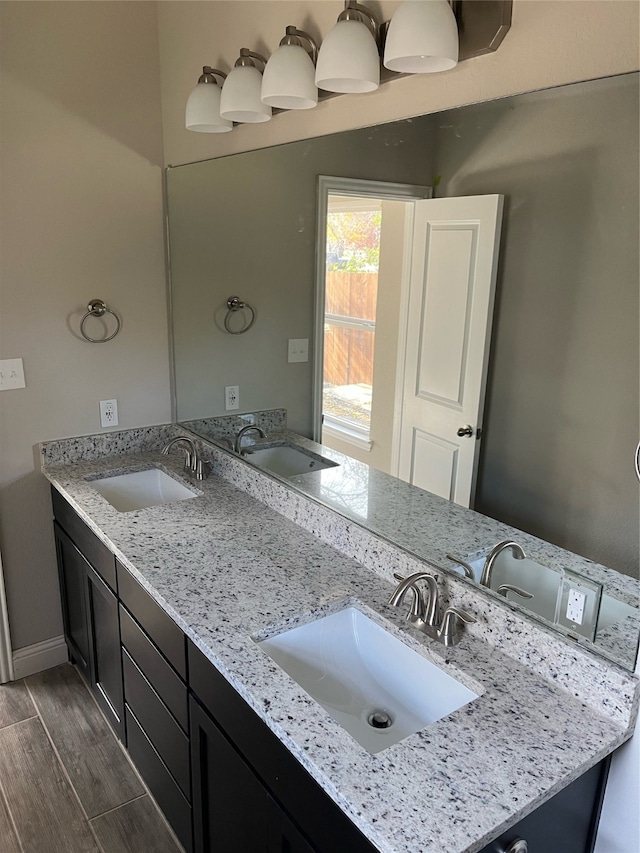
(141, 489)
(287, 460)
(372, 683)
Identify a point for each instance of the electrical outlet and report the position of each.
(575, 606)
(108, 413)
(11, 374)
(298, 349)
(231, 397)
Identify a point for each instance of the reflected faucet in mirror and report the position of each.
(516, 550)
(237, 446)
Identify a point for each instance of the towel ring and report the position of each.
(98, 308)
(234, 303)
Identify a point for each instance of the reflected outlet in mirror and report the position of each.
(376, 687)
(141, 489)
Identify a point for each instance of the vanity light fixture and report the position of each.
(240, 99)
(203, 105)
(422, 38)
(349, 58)
(288, 81)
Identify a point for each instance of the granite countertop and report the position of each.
(229, 569)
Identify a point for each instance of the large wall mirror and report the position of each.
(561, 415)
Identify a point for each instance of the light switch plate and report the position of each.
(11, 374)
(298, 349)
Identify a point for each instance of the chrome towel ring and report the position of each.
(98, 308)
(234, 303)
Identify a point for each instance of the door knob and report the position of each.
(466, 430)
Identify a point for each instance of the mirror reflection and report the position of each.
(560, 417)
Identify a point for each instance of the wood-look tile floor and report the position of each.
(66, 785)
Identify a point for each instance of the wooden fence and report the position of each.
(348, 353)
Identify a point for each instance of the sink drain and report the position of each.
(380, 720)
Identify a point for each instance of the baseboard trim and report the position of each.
(31, 659)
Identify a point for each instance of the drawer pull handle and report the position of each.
(519, 845)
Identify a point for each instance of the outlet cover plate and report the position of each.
(108, 413)
(231, 397)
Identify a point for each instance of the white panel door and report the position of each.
(451, 293)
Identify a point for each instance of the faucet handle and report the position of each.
(504, 588)
(468, 571)
(449, 632)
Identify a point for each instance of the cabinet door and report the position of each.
(567, 822)
(230, 806)
(72, 568)
(284, 836)
(106, 660)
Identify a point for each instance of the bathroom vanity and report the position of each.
(164, 607)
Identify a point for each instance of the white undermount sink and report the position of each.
(287, 460)
(141, 489)
(374, 685)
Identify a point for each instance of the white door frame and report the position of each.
(6, 655)
(405, 289)
(327, 186)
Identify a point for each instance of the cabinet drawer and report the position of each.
(162, 677)
(160, 627)
(96, 552)
(160, 727)
(160, 782)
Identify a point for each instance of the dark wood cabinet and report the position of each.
(106, 677)
(567, 822)
(300, 815)
(72, 572)
(154, 664)
(91, 626)
(232, 808)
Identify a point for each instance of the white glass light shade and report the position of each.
(348, 60)
(422, 38)
(288, 79)
(240, 100)
(203, 110)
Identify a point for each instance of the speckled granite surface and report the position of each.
(430, 527)
(228, 568)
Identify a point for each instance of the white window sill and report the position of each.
(348, 436)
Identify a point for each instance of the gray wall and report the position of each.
(80, 218)
(561, 421)
(246, 226)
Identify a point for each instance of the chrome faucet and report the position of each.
(425, 614)
(193, 462)
(489, 563)
(237, 446)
